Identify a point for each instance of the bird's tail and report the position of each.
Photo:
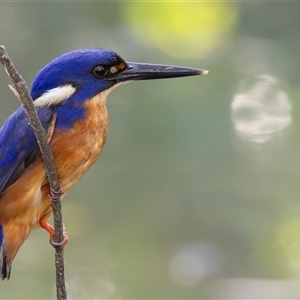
(5, 268)
(12, 237)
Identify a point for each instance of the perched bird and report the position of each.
(69, 95)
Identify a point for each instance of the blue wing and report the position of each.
(18, 145)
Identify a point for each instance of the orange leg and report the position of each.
(44, 222)
(45, 225)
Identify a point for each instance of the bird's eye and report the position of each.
(99, 71)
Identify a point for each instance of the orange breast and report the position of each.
(76, 150)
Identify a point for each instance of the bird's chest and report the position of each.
(76, 149)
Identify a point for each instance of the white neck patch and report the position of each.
(55, 96)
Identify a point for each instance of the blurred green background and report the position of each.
(196, 194)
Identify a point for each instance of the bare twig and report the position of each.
(20, 87)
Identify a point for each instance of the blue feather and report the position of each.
(67, 116)
(18, 145)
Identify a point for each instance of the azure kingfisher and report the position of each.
(69, 95)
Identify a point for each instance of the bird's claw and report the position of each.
(54, 196)
(50, 229)
(59, 244)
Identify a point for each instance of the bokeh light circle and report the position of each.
(182, 28)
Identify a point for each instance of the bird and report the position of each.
(69, 95)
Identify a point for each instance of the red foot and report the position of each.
(45, 225)
(46, 191)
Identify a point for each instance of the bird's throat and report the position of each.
(100, 99)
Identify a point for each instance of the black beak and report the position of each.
(140, 71)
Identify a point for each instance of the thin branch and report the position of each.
(20, 87)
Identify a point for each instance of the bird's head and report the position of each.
(83, 74)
